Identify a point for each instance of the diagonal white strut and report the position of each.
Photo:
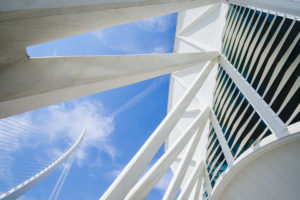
(177, 179)
(151, 178)
(135, 168)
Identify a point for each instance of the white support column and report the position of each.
(198, 188)
(177, 179)
(196, 174)
(294, 128)
(260, 106)
(149, 180)
(207, 182)
(135, 168)
(225, 148)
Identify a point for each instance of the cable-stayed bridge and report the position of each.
(27, 157)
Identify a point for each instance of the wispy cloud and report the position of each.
(161, 49)
(55, 52)
(136, 99)
(118, 44)
(72, 117)
(134, 37)
(5, 170)
(156, 24)
(43, 135)
(164, 182)
(98, 34)
(25, 197)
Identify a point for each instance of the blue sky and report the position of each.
(117, 121)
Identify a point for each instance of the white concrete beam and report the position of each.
(178, 176)
(38, 82)
(207, 182)
(196, 174)
(38, 21)
(221, 139)
(198, 188)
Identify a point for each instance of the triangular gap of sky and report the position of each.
(117, 121)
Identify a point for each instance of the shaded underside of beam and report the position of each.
(34, 22)
(45, 81)
(38, 82)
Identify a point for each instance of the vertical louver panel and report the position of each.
(240, 123)
(215, 160)
(264, 48)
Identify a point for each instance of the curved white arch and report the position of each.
(29, 183)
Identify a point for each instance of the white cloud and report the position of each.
(43, 135)
(64, 122)
(164, 182)
(124, 40)
(160, 49)
(72, 117)
(126, 46)
(156, 24)
(98, 34)
(5, 172)
(115, 173)
(42, 130)
(25, 197)
(55, 52)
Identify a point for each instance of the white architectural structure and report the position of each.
(232, 128)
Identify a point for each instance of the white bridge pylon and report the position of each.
(31, 182)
